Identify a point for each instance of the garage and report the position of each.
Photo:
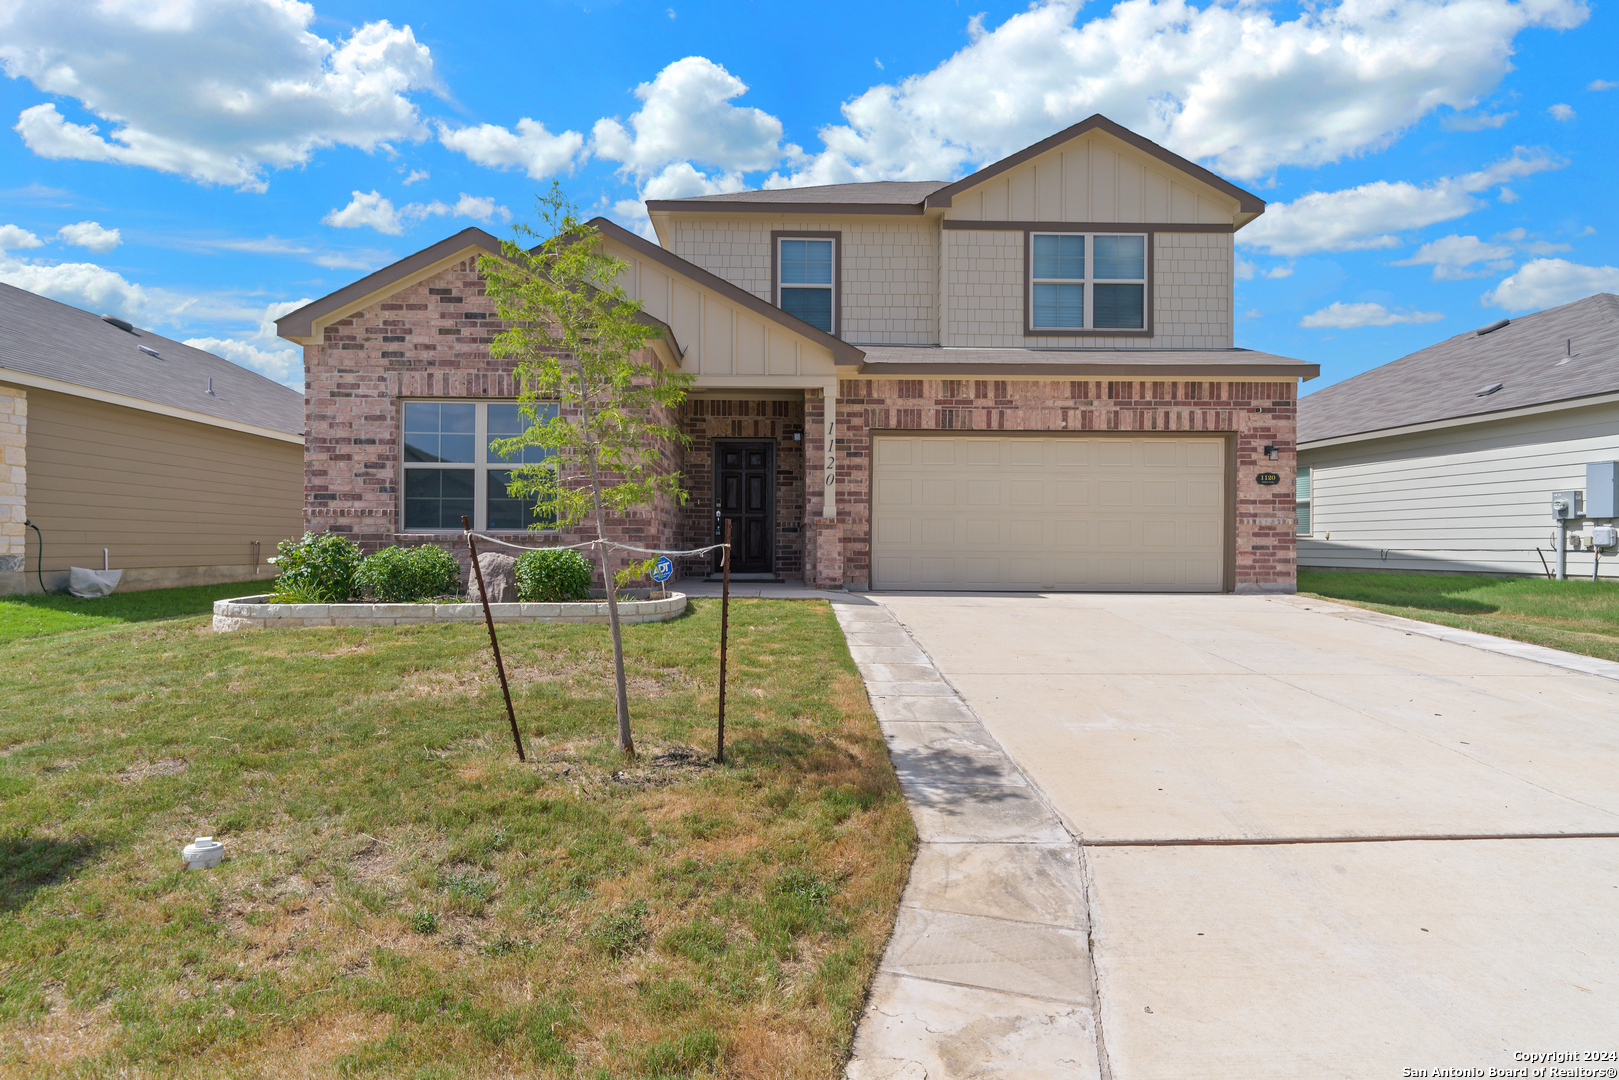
(1092, 512)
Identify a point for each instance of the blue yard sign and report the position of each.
(663, 570)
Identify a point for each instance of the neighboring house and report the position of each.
(1021, 380)
(185, 467)
(1446, 459)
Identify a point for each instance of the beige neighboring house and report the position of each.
(185, 467)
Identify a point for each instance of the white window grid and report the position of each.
(484, 460)
(1089, 280)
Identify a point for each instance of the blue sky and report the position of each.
(202, 167)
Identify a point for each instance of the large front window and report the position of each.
(805, 280)
(450, 470)
(1087, 281)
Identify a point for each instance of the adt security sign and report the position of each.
(663, 570)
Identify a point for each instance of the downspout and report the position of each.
(39, 561)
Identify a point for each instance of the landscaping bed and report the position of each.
(401, 897)
(1575, 616)
(261, 612)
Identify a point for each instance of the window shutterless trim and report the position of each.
(480, 467)
(1030, 330)
(776, 237)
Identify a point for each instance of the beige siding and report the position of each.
(890, 269)
(156, 491)
(985, 289)
(1094, 178)
(1474, 498)
(13, 476)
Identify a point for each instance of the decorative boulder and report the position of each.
(499, 574)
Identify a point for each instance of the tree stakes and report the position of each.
(494, 642)
(725, 620)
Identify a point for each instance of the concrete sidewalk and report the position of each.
(1268, 799)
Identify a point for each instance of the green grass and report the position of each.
(35, 616)
(1576, 616)
(400, 897)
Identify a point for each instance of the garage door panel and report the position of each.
(1062, 512)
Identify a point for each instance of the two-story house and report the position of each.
(1021, 380)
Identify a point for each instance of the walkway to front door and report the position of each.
(744, 494)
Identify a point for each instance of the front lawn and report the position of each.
(1576, 616)
(52, 613)
(401, 897)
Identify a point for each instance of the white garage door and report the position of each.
(1025, 513)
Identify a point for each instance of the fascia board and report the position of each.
(40, 382)
(1463, 421)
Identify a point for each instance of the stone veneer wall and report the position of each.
(704, 419)
(427, 340)
(13, 479)
(1255, 413)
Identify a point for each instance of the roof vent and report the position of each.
(149, 352)
(1493, 327)
(1488, 390)
(123, 324)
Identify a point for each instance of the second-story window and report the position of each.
(805, 280)
(1087, 281)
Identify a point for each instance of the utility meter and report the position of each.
(1567, 505)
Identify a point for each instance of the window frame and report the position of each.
(480, 467)
(776, 237)
(1304, 526)
(1090, 232)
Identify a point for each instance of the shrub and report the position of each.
(319, 569)
(553, 576)
(404, 575)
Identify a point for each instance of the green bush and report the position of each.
(404, 575)
(553, 576)
(319, 569)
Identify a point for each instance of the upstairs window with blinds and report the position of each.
(805, 280)
(1087, 281)
(1301, 496)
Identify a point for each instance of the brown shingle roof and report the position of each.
(51, 340)
(1529, 358)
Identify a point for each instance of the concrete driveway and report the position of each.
(1344, 927)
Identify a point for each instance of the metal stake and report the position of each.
(494, 642)
(725, 623)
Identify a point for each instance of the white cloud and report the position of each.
(90, 234)
(1279, 272)
(1561, 112)
(215, 90)
(1508, 196)
(531, 148)
(84, 285)
(15, 237)
(1366, 217)
(1222, 83)
(677, 181)
(686, 115)
(1244, 269)
(1451, 257)
(1477, 122)
(1602, 84)
(415, 175)
(285, 366)
(372, 210)
(1546, 283)
(1341, 316)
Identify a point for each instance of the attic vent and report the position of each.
(1488, 390)
(123, 324)
(148, 352)
(1493, 327)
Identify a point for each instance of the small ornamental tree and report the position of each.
(582, 343)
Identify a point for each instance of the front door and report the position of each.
(744, 490)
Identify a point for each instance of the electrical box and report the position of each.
(1567, 505)
(1604, 536)
(1602, 489)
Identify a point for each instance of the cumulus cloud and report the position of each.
(261, 350)
(416, 175)
(1546, 283)
(1226, 84)
(1368, 216)
(90, 234)
(1341, 316)
(216, 90)
(372, 210)
(1476, 122)
(1561, 112)
(531, 147)
(677, 181)
(84, 285)
(686, 115)
(16, 238)
(1602, 84)
(1452, 256)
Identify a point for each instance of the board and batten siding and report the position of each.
(1473, 499)
(180, 499)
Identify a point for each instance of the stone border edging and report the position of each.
(252, 613)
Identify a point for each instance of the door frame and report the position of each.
(770, 495)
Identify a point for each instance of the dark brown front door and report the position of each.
(744, 490)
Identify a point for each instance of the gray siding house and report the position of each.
(1445, 460)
